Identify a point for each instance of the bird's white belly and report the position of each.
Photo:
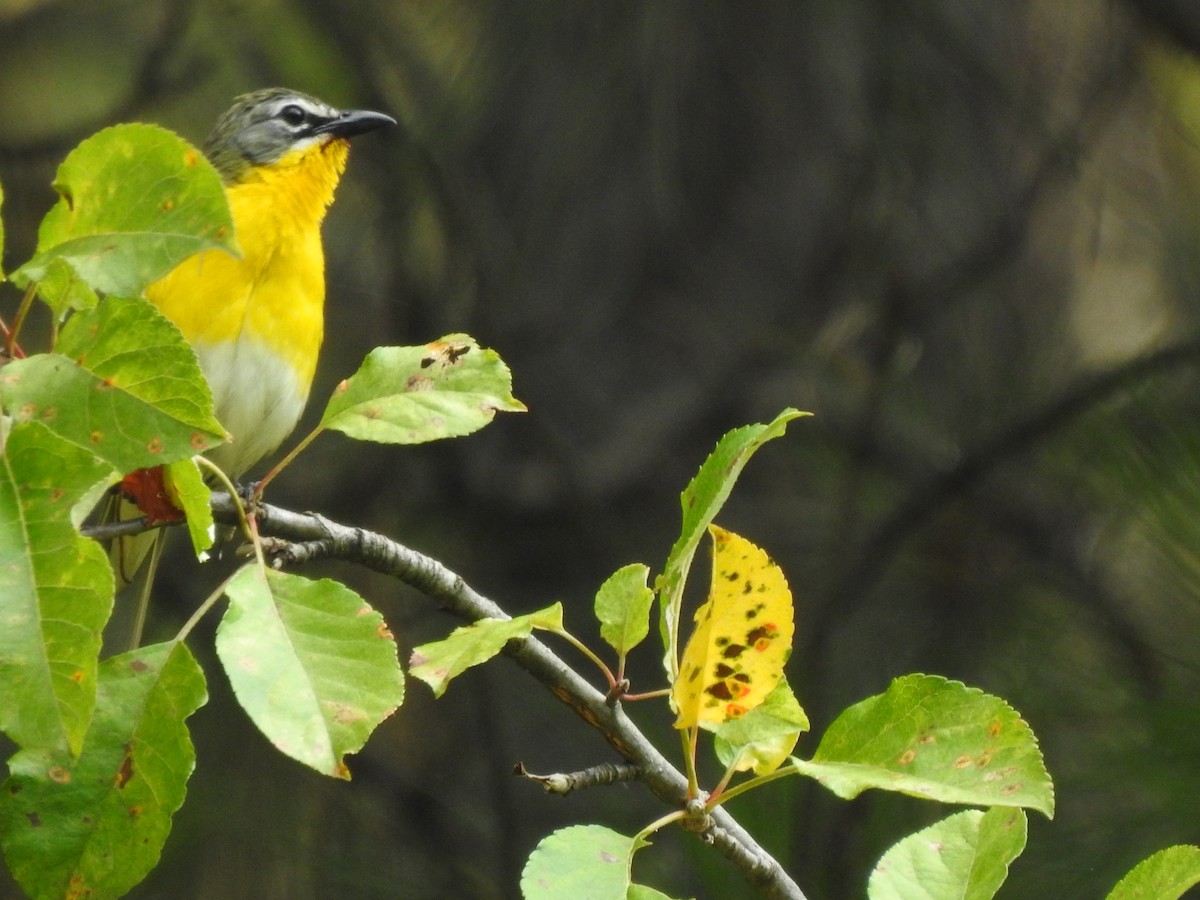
(256, 396)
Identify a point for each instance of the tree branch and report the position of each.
(308, 536)
(565, 782)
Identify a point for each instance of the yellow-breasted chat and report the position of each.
(256, 322)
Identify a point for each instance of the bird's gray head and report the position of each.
(264, 126)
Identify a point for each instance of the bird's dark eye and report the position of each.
(293, 114)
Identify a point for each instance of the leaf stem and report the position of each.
(586, 651)
(10, 338)
(730, 771)
(718, 798)
(248, 523)
(256, 540)
(658, 824)
(217, 472)
(646, 695)
(287, 460)
(203, 608)
(689, 739)
(143, 600)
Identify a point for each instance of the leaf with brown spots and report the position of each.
(309, 663)
(123, 384)
(410, 395)
(94, 825)
(938, 739)
(56, 589)
(743, 636)
(130, 209)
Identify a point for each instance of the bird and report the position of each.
(256, 321)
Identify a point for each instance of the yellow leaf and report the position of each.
(743, 636)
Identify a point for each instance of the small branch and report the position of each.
(434, 580)
(296, 554)
(565, 782)
(108, 531)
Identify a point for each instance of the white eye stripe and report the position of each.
(310, 109)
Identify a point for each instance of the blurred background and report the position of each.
(963, 233)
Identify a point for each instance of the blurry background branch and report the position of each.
(162, 69)
(1178, 19)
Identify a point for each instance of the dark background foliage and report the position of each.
(961, 232)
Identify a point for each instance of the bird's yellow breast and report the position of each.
(263, 312)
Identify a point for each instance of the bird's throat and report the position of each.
(263, 312)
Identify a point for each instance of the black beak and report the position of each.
(353, 122)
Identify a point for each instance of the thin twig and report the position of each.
(565, 782)
(108, 531)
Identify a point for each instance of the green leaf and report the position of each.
(312, 664)
(438, 662)
(192, 495)
(763, 738)
(701, 500)
(1163, 876)
(56, 589)
(964, 856)
(938, 739)
(583, 862)
(134, 202)
(409, 395)
(95, 826)
(123, 384)
(63, 289)
(623, 607)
